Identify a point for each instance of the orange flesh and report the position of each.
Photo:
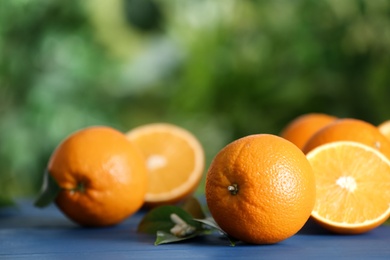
(353, 184)
(171, 155)
(174, 158)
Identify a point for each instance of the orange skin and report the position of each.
(102, 176)
(343, 230)
(260, 189)
(350, 129)
(299, 130)
(384, 128)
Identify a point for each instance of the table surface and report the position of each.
(32, 233)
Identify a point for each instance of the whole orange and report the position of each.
(260, 189)
(300, 129)
(350, 129)
(101, 175)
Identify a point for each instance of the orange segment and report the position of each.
(353, 187)
(174, 158)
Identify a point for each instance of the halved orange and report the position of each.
(352, 185)
(174, 158)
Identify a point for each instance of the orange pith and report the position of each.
(102, 176)
(300, 129)
(260, 189)
(353, 187)
(174, 158)
(350, 129)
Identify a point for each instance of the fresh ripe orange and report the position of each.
(260, 189)
(350, 129)
(300, 129)
(175, 161)
(101, 174)
(384, 128)
(353, 187)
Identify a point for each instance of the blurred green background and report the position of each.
(221, 69)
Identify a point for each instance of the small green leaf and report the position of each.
(49, 191)
(159, 219)
(166, 237)
(192, 206)
(173, 223)
(210, 223)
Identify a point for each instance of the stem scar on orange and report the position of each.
(101, 175)
(260, 189)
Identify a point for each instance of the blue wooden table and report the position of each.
(31, 233)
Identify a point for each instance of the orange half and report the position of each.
(352, 185)
(174, 158)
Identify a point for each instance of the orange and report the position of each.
(350, 129)
(102, 176)
(384, 128)
(174, 158)
(300, 129)
(260, 189)
(353, 187)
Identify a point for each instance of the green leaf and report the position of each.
(166, 237)
(159, 219)
(173, 223)
(49, 191)
(192, 206)
(210, 223)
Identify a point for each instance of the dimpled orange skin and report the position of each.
(102, 176)
(275, 189)
(349, 129)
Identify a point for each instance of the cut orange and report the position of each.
(174, 158)
(353, 187)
